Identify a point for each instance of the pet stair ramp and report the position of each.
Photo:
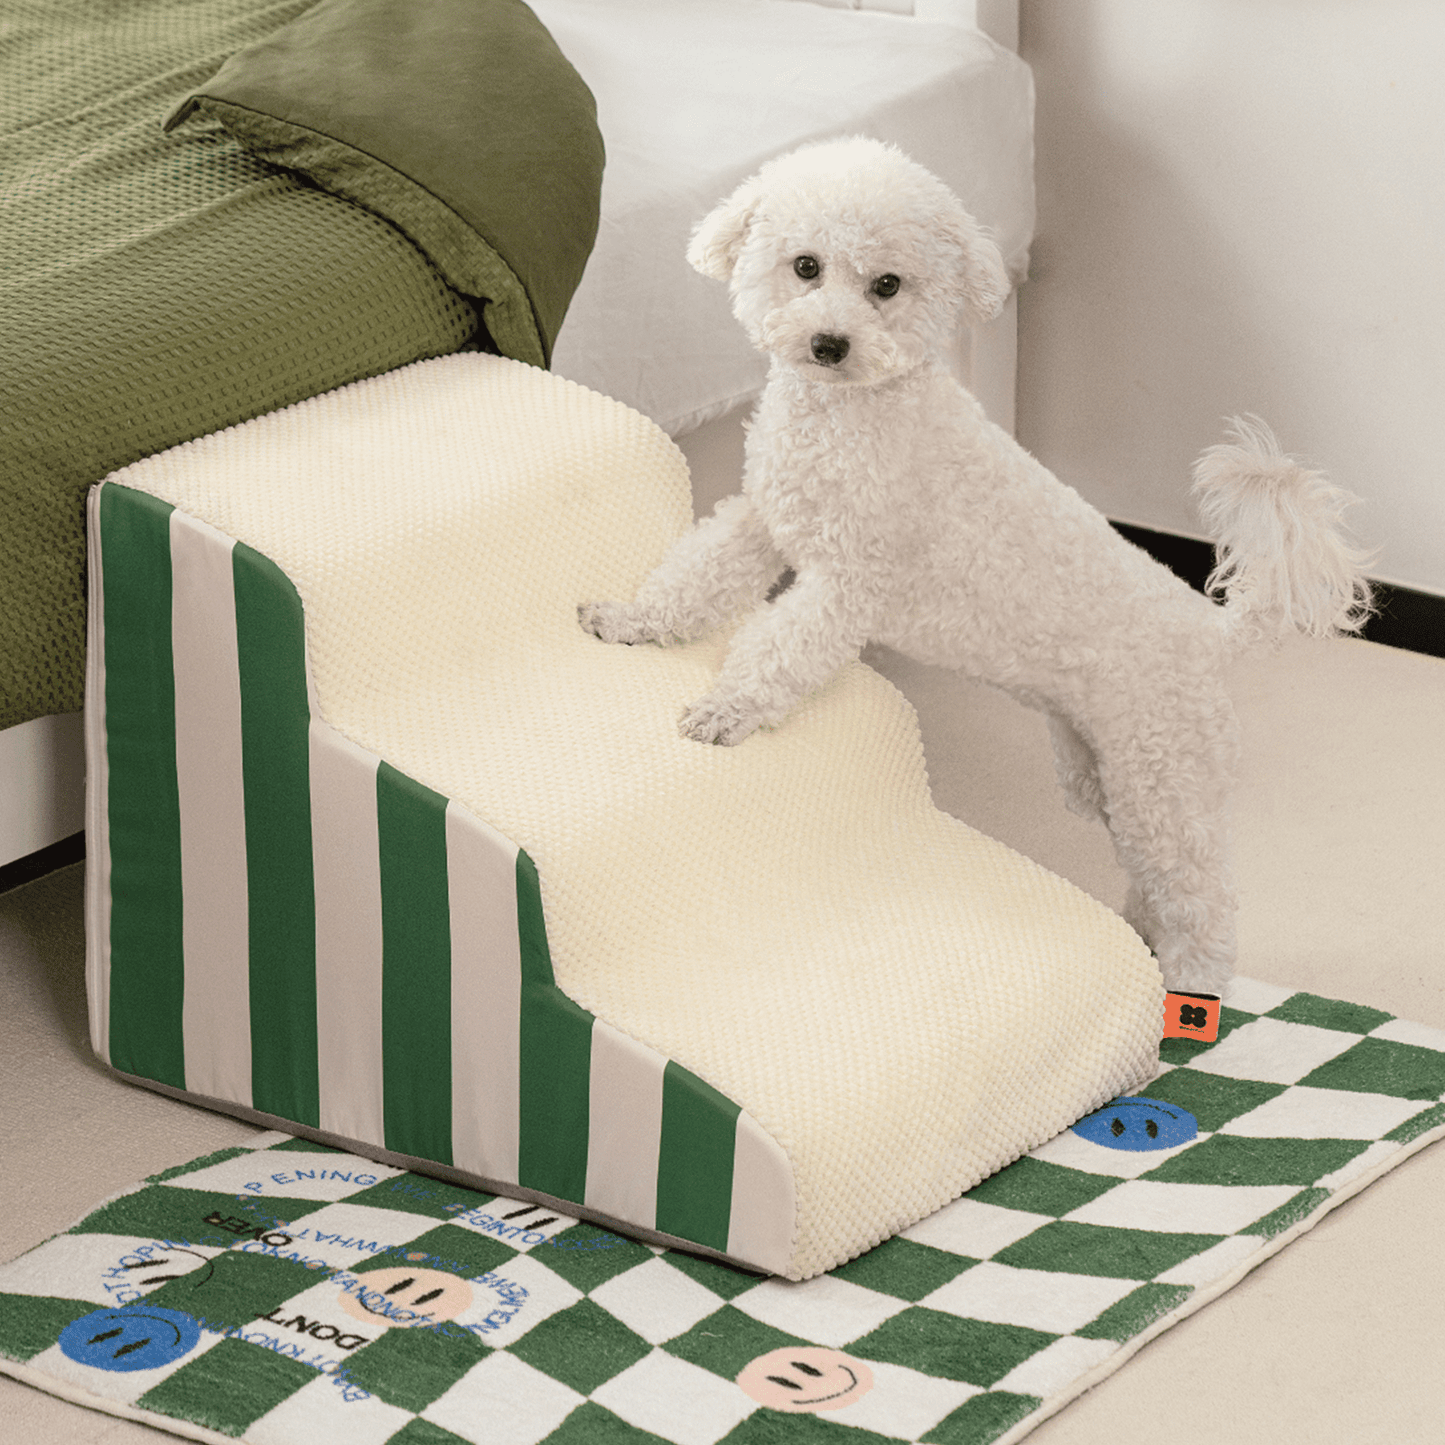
(387, 852)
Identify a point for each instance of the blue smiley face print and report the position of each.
(136, 1337)
(1138, 1124)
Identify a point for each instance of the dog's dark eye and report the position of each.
(886, 285)
(807, 267)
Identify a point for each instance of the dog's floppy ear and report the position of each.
(986, 284)
(720, 235)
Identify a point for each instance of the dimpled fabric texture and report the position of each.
(904, 1004)
(156, 287)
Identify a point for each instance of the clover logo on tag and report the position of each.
(1191, 1016)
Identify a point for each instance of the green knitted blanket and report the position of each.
(340, 188)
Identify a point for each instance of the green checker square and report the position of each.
(983, 1419)
(219, 1157)
(1041, 1188)
(782, 1427)
(1288, 1214)
(1136, 1312)
(583, 1346)
(448, 1247)
(423, 1432)
(416, 1194)
(1068, 1247)
(903, 1269)
(1380, 1066)
(301, 1146)
(229, 1387)
(31, 1323)
(722, 1279)
(1235, 1159)
(409, 1368)
(586, 1256)
(1329, 1013)
(1181, 1051)
(727, 1340)
(171, 1212)
(1213, 1099)
(949, 1348)
(1417, 1124)
(591, 1424)
(238, 1289)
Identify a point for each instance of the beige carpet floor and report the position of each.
(1341, 861)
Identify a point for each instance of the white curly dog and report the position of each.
(911, 520)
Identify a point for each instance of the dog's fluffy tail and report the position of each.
(1283, 562)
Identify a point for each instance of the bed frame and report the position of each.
(42, 762)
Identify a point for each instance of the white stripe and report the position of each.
(624, 1136)
(763, 1226)
(486, 996)
(216, 1006)
(97, 799)
(347, 871)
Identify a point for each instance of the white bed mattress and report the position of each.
(692, 97)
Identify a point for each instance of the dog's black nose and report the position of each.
(829, 350)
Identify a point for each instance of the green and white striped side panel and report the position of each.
(281, 920)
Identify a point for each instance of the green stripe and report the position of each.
(416, 967)
(695, 1162)
(147, 963)
(556, 1061)
(275, 770)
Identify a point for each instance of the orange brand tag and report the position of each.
(1191, 1016)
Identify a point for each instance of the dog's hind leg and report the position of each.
(1168, 815)
(1077, 768)
(721, 567)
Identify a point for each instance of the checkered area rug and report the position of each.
(287, 1294)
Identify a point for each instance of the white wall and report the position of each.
(1241, 208)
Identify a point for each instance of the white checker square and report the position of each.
(547, 1294)
(1075, 1152)
(1250, 995)
(520, 1405)
(1402, 1031)
(1273, 1051)
(1307, 1113)
(679, 1401)
(971, 1227)
(1372, 1158)
(1213, 1263)
(516, 1223)
(1056, 1365)
(347, 1234)
(904, 1404)
(324, 1309)
(1037, 1299)
(656, 1301)
(106, 1269)
(827, 1310)
(1183, 1208)
(288, 1174)
(326, 1410)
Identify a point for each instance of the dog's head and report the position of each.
(849, 262)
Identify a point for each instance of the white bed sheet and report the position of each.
(692, 97)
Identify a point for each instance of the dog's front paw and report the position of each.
(715, 720)
(615, 622)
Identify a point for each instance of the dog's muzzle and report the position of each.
(827, 349)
